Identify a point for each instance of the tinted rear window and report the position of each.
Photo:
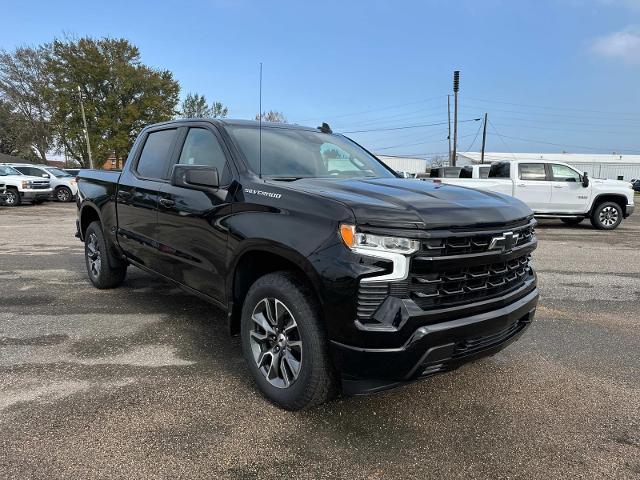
(156, 154)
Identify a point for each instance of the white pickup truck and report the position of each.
(21, 187)
(553, 190)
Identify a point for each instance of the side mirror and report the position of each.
(44, 175)
(195, 177)
(585, 180)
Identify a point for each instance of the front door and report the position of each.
(533, 187)
(567, 193)
(137, 197)
(192, 235)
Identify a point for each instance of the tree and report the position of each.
(195, 106)
(272, 116)
(15, 138)
(23, 86)
(121, 96)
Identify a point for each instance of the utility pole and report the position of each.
(484, 138)
(449, 123)
(86, 132)
(456, 87)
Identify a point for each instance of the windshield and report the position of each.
(295, 153)
(56, 172)
(6, 170)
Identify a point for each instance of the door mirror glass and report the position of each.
(585, 180)
(195, 177)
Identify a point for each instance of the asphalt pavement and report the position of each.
(144, 382)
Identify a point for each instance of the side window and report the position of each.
(562, 173)
(483, 172)
(201, 147)
(500, 170)
(532, 171)
(156, 154)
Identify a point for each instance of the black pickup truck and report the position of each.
(336, 273)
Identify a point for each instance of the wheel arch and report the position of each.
(258, 259)
(88, 213)
(617, 198)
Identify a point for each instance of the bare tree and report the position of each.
(272, 116)
(439, 161)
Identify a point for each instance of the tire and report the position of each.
(12, 198)
(103, 269)
(63, 194)
(274, 353)
(606, 216)
(572, 221)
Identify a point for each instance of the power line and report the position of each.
(410, 115)
(545, 107)
(439, 97)
(474, 138)
(502, 139)
(634, 152)
(409, 126)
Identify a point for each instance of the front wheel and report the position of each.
(104, 270)
(12, 197)
(284, 343)
(606, 216)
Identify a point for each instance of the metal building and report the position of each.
(405, 164)
(612, 166)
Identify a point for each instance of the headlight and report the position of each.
(366, 241)
(26, 184)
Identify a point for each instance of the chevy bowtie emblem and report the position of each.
(505, 242)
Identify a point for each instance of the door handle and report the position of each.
(124, 195)
(522, 184)
(558, 186)
(167, 202)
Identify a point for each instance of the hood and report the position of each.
(404, 203)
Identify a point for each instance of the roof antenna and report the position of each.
(260, 126)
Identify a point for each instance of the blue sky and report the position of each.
(553, 75)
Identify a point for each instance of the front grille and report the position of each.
(454, 286)
(468, 244)
(456, 269)
(39, 186)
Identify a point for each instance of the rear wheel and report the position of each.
(63, 194)
(284, 343)
(606, 216)
(104, 270)
(12, 197)
(572, 221)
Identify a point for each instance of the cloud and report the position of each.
(623, 45)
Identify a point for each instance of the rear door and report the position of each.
(567, 193)
(533, 186)
(191, 223)
(137, 197)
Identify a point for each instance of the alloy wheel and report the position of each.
(63, 195)
(10, 198)
(275, 342)
(94, 256)
(608, 216)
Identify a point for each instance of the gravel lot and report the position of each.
(143, 381)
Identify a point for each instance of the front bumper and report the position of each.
(36, 194)
(629, 210)
(433, 348)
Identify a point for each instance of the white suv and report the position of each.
(22, 187)
(63, 183)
